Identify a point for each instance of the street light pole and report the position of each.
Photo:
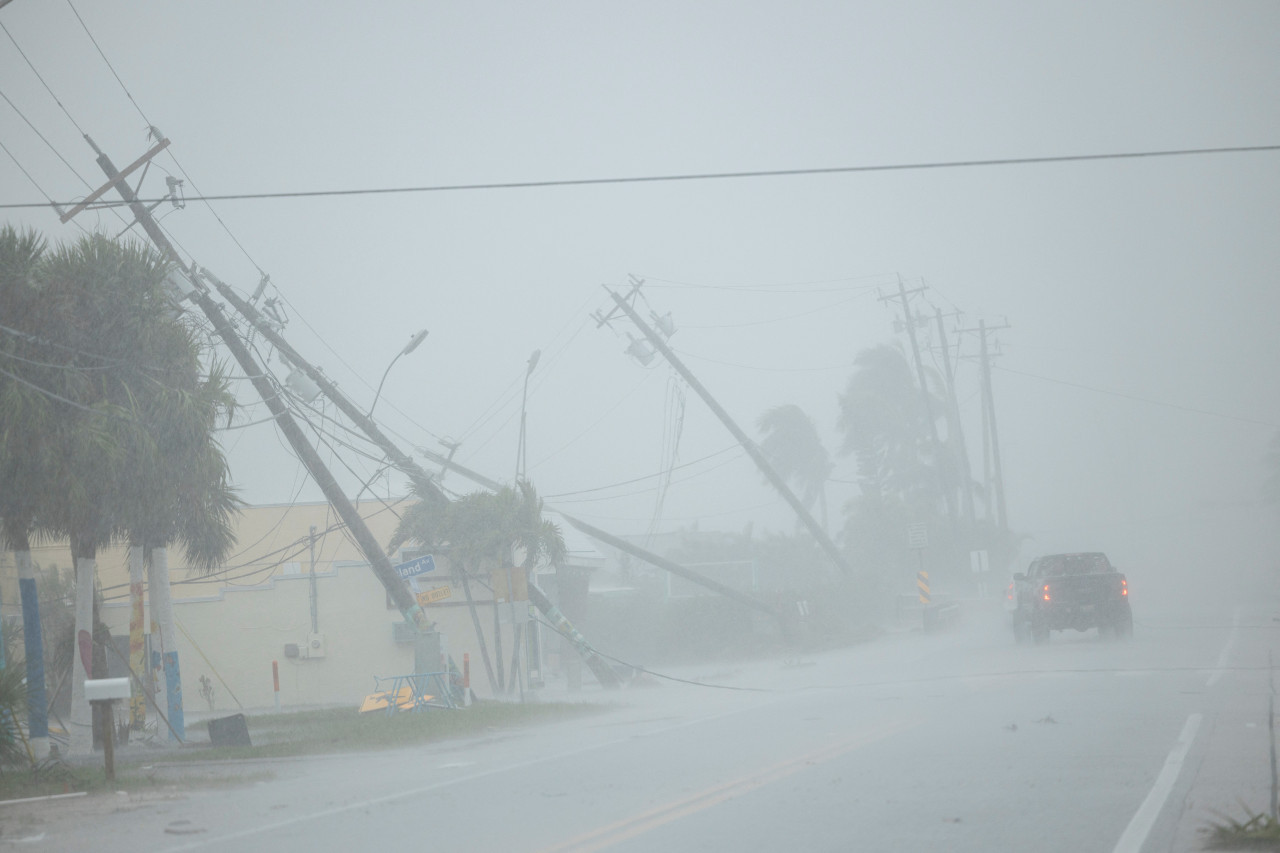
(521, 461)
(408, 348)
(521, 456)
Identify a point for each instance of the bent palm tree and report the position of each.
(792, 444)
(480, 532)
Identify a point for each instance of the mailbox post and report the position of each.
(101, 692)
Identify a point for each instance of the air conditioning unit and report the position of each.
(403, 633)
(315, 646)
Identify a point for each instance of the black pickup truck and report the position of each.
(1061, 591)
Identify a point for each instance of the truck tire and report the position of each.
(1021, 632)
(1124, 625)
(1039, 632)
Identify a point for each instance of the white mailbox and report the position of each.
(106, 688)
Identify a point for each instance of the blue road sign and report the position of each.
(419, 566)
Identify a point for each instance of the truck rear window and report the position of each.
(1064, 565)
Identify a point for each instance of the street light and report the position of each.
(521, 461)
(408, 348)
(521, 456)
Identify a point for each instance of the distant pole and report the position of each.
(1001, 514)
(909, 322)
(315, 612)
(521, 452)
(275, 682)
(954, 425)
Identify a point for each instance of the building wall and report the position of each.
(232, 638)
(235, 620)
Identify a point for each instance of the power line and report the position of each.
(32, 66)
(43, 139)
(642, 479)
(764, 369)
(706, 176)
(110, 67)
(1135, 397)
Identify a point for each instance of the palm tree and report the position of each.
(26, 419)
(792, 444)
(483, 532)
(132, 450)
(178, 492)
(886, 427)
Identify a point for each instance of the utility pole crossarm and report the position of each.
(753, 450)
(119, 176)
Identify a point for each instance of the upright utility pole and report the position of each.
(909, 322)
(315, 604)
(954, 428)
(756, 454)
(990, 409)
(284, 419)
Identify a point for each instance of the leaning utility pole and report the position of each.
(284, 419)
(399, 459)
(910, 323)
(756, 454)
(402, 461)
(367, 425)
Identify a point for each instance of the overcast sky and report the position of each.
(1137, 383)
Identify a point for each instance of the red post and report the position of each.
(466, 679)
(275, 678)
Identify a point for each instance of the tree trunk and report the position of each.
(162, 614)
(81, 721)
(137, 638)
(475, 622)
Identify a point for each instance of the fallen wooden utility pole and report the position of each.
(365, 540)
(675, 568)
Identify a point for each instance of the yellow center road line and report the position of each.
(627, 828)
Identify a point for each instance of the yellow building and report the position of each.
(296, 593)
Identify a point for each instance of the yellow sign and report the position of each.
(499, 579)
(431, 596)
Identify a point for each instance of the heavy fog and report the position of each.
(1054, 171)
(1133, 389)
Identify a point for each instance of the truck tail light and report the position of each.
(1046, 592)
(1124, 587)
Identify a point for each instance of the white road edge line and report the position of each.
(1135, 835)
(1226, 651)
